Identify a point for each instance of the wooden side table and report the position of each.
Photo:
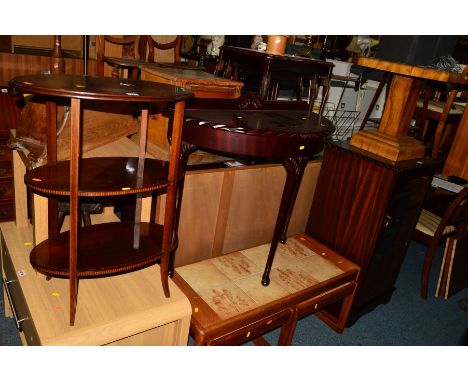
(391, 140)
(111, 248)
(236, 62)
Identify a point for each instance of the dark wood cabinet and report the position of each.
(365, 208)
(9, 111)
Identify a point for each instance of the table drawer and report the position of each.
(254, 329)
(7, 211)
(17, 302)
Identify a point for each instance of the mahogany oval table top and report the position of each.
(258, 133)
(103, 176)
(99, 88)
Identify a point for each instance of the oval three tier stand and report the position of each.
(110, 248)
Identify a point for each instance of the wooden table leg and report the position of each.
(185, 150)
(51, 131)
(295, 169)
(74, 206)
(168, 233)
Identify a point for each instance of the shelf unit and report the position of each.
(109, 248)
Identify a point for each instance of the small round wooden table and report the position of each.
(292, 136)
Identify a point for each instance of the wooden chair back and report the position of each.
(164, 46)
(453, 221)
(447, 115)
(130, 46)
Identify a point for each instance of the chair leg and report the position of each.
(86, 218)
(426, 270)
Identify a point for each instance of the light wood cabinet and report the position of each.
(128, 309)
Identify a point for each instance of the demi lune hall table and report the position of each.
(291, 136)
(109, 248)
(391, 140)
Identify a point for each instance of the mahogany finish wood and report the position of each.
(366, 209)
(9, 113)
(104, 250)
(289, 135)
(13, 65)
(390, 141)
(117, 176)
(81, 89)
(236, 63)
(99, 88)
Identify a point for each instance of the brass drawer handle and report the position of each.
(12, 305)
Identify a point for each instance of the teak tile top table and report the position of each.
(390, 141)
(110, 248)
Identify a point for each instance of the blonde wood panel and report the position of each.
(254, 206)
(255, 202)
(198, 217)
(109, 308)
(161, 336)
(230, 209)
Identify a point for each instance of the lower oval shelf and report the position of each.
(103, 250)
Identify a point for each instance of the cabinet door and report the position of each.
(349, 205)
(395, 236)
(366, 210)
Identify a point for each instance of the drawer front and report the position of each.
(5, 153)
(6, 170)
(6, 190)
(252, 330)
(17, 301)
(7, 212)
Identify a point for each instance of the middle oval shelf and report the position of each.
(101, 176)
